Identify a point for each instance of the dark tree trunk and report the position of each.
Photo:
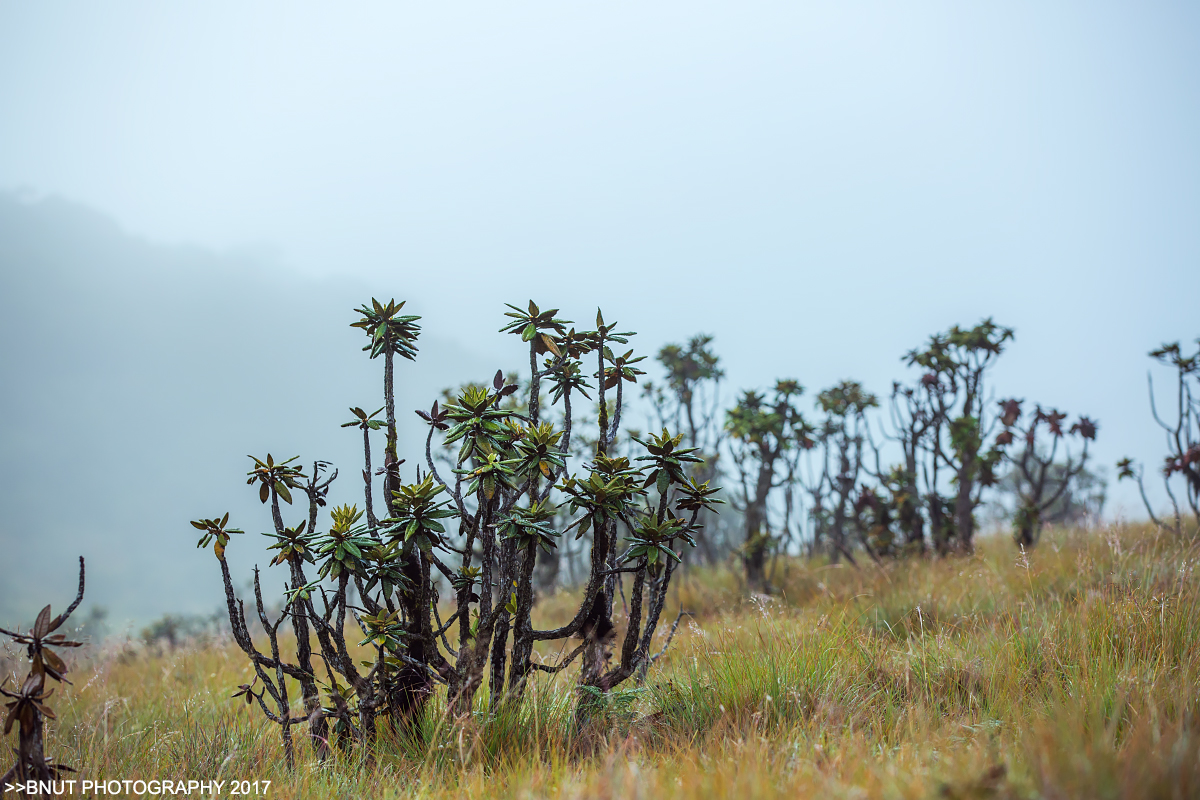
(754, 557)
(318, 729)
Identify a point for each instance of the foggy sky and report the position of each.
(138, 377)
(820, 186)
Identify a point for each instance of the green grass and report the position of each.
(1073, 671)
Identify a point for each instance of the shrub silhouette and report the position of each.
(27, 708)
(1182, 433)
(1041, 480)
(476, 529)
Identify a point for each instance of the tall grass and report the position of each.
(1069, 671)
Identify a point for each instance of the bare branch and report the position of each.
(671, 635)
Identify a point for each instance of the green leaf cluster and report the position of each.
(344, 548)
(666, 461)
(620, 368)
(693, 496)
(364, 421)
(531, 527)
(478, 423)
(606, 494)
(386, 569)
(537, 451)
(383, 629)
(566, 375)
(215, 529)
(293, 544)
(417, 514)
(532, 326)
(389, 330)
(652, 539)
(281, 477)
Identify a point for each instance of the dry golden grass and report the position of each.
(1072, 672)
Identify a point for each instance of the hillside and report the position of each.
(137, 376)
(1070, 671)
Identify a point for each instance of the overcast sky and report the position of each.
(820, 186)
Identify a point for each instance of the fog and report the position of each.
(139, 377)
(193, 197)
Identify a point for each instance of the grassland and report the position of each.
(1072, 671)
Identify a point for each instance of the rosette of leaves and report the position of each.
(566, 375)
(607, 492)
(692, 495)
(1010, 412)
(490, 472)
(39, 643)
(281, 477)
(1172, 354)
(936, 357)
(344, 546)
(574, 345)
(303, 592)
(531, 527)
(465, 578)
(293, 544)
(537, 451)
(383, 629)
(988, 462)
(607, 333)
(417, 515)
(364, 421)
(388, 329)
(27, 702)
(532, 326)
(476, 422)
(1053, 419)
(620, 368)
(651, 538)
(386, 569)
(215, 529)
(666, 462)
(615, 467)
(435, 417)
(746, 419)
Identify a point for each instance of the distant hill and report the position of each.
(136, 378)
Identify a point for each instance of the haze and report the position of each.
(196, 194)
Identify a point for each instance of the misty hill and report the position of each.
(137, 377)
